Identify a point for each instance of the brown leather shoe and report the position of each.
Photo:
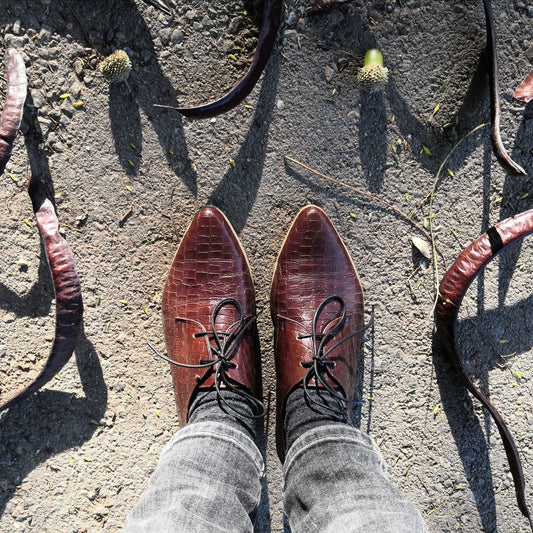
(209, 312)
(316, 301)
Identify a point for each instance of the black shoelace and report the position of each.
(223, 347)
(319, 368)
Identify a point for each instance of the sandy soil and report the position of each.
(128, 178)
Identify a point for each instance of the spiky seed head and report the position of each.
(116, 67)
(372, 78)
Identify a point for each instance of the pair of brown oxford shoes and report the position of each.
(316, 304)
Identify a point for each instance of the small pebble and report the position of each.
(329, 73)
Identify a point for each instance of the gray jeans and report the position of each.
(209, 480)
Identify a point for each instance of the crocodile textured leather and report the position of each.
(210, 266)
(313, 265)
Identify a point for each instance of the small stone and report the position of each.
(67, 108)
(329, 73)
(75, 90)
(13, 41)
(177, 36)
(235, 25)
(45, 34)
(16, 27)
(165, 34)
(290, 18)
(44, 123)
(342, 63)
(38, 98)
(55, 114)
(22, 264)
(81, 220)
(78, 67)
(8, 318)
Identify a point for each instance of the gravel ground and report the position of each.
(128, 178)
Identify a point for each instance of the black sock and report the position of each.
(229, 408)
(301, 414)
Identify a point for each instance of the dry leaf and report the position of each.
(422, 246)
(524, 92)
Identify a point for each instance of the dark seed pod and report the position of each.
(13, 108)
(452, 289)
(69, 305)
(267, 37)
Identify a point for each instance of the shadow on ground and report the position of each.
(50, 422)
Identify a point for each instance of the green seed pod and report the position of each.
(116, 67)
(373, 76)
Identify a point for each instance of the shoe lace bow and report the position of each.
(223, 348)
(320, 366)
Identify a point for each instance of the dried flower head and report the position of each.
(373, 76)
(116, 67)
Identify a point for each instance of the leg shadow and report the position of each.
(237, 191)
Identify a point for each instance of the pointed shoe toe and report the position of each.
(209, 312)
(316, 302)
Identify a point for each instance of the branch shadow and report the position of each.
(50, 422)
(468, 435)
(471, 440)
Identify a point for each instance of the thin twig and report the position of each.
(375, 199)
(431, 196)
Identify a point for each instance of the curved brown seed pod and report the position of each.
(497, 145)
(452, 289)
(15, 97)
(267, 37)
(159, 4)
(69, 305)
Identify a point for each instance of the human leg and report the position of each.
(335, 477)
(208, 476)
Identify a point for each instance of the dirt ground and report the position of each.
(129, 177)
